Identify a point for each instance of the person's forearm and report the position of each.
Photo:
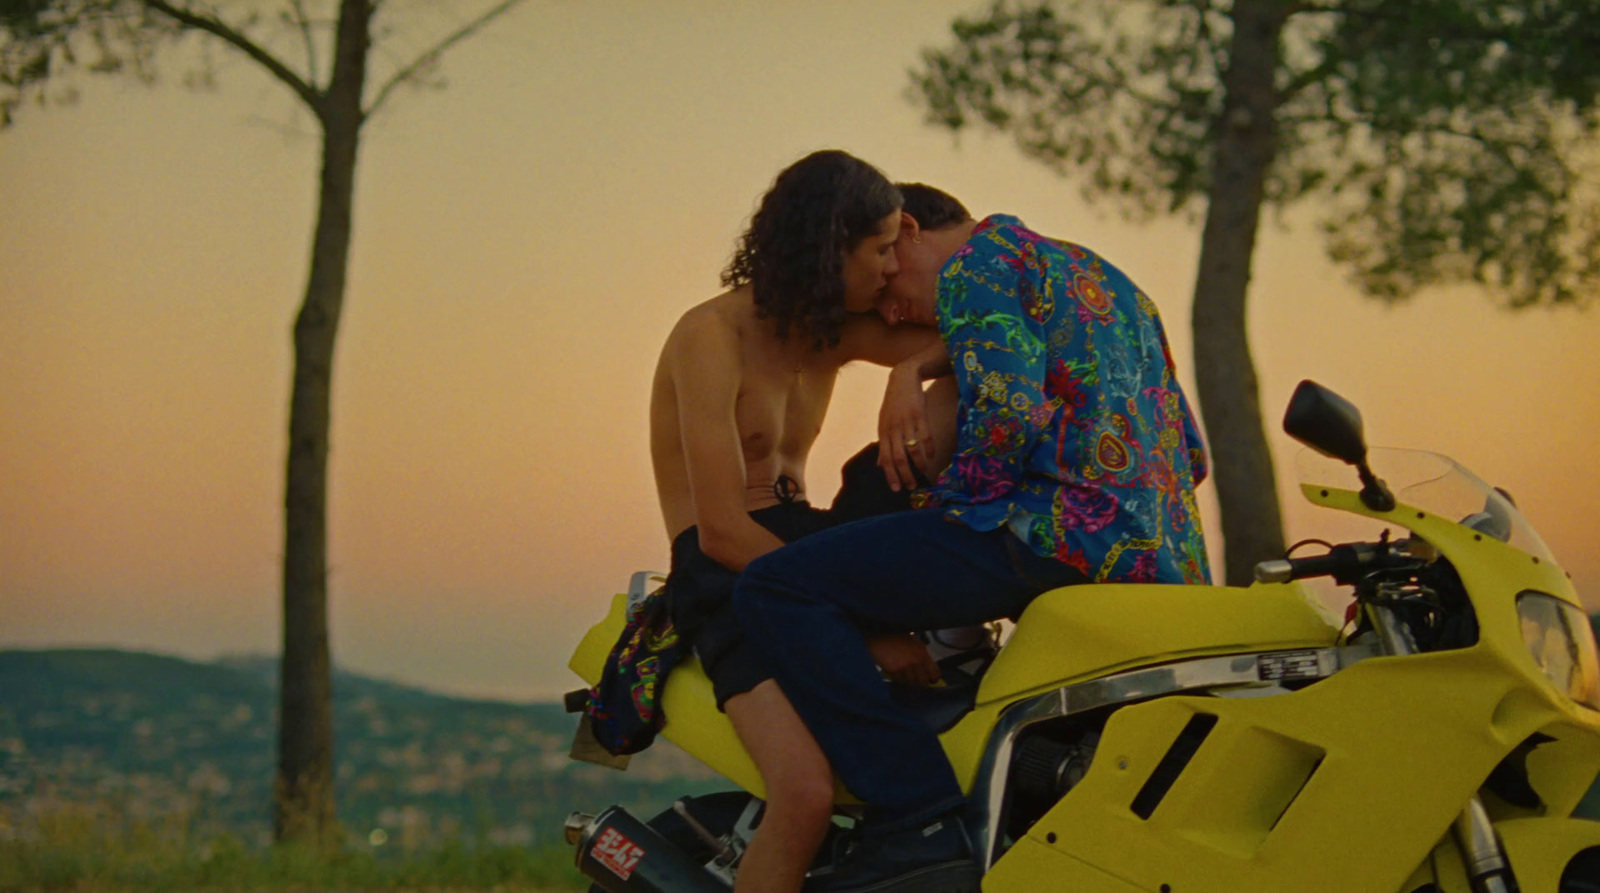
(737, 544)
(929, 363)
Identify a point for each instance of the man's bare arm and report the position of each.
(905, 435)
(867, 337)
(705, 372)
(932, 361)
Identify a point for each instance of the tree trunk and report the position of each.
(1246, 142)
(303, 801)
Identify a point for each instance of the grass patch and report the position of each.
(79, 851)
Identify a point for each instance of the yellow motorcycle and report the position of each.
(1181, 739)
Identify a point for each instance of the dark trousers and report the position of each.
(807, 607)
(701, 590)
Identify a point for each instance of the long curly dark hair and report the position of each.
(792, 255)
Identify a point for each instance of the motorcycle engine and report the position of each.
(1045, 767)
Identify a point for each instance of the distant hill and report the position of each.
(151, 737)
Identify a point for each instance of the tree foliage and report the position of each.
(41, 38)
(42, 41)
(1446, 140)
(1443, 141)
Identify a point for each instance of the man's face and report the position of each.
(868, 266)
(913, 289)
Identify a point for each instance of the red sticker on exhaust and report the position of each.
(617, 853)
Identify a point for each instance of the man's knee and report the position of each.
(797, 775)
(807, 796)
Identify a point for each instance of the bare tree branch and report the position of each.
(432, 55)
(305, 91)
(304, 23)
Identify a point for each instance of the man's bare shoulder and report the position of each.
(711, 327)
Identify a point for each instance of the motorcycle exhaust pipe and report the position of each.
(624, 855)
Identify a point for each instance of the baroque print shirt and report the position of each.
(1073, 430)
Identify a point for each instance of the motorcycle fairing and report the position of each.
(1354, 758)
(1493, 574)
(1379, 757)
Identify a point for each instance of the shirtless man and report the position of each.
(738, 399)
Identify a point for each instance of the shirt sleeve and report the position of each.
(1198, 460)
(998, 352)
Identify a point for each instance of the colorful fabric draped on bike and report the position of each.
(624, 708)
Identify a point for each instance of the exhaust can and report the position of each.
(624, 855)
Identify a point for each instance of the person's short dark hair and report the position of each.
(931, 208)
(792, 255)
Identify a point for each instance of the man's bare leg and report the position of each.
(799, 790)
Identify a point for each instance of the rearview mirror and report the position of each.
(1331, 425)
(1326, 422)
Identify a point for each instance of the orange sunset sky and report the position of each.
(524, 241)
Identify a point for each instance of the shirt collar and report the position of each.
(996, 220)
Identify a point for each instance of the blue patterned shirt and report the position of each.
(1073, 430)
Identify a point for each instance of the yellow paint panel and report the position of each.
(1079, 632)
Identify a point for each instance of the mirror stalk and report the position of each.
(1375, 494)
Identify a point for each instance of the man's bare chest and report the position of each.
(782, 413)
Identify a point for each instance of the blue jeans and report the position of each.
(808, 606)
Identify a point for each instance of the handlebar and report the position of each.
(1343, 563)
